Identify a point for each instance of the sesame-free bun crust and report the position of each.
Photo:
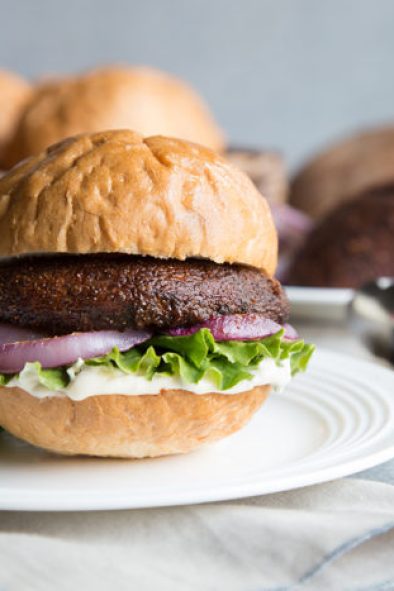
(147, 100)
(118, 192)
(340, 173)
(174, 421)
(14, 93)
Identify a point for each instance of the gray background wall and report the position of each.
(291, 74)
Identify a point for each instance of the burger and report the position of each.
(139, 313)
(351, 246)
(343, 171)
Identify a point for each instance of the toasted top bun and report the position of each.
(345, 170)
(144, 99)
(14, 93)
(115, 191)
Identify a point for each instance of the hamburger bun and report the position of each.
(144, 99)
(174, 421)
(184, 201)
(14, 93)
(345, 170)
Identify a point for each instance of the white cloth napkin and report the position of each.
(337, 536)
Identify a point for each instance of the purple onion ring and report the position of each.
(11, 334)
(238, 327)
(64, 350)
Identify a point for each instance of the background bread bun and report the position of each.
(266, 169)
(144, 99)
(174, 421)
(14, 93)
(354, 244)
(117, 192)
(342, 172)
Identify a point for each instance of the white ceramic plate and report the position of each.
(335, 420)
(319, 302)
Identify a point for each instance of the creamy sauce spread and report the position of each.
(92, 381)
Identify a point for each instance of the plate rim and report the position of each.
(318, 302)
(336, 295)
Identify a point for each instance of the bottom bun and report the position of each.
(174, 421)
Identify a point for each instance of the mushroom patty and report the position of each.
(66, 293)
(354, 244)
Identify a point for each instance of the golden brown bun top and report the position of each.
(14, 93)
(144, 99)
(345, 170)
(117, 192)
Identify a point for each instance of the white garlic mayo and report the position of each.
(92, 381)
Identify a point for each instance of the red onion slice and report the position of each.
(238, 327)
(290, 223)
(290, 333)
(292, 226)
(64, 350)
(11, 334)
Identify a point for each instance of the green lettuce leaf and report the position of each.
(198, 356)
(53, 379)
(5, 378)
(189, 358)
